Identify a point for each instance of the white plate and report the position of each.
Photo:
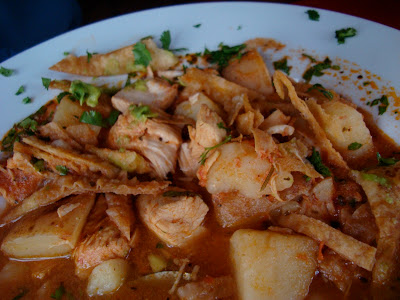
(375, 48)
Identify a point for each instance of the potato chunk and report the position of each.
(48, 235)
(107, 277)
(270, 265)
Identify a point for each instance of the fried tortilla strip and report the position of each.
(220, 90)
(67, 185)
(281, 81)
(55, 132)
(78, 163)
(382, 187)
(120, 211)
(359, 253)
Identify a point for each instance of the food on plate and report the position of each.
(202, 176)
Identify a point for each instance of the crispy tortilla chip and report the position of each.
(281, 80)
(83, 164)
(382, 187)
(55, 132)
(120, 211)
(67, 185)
(348, 247)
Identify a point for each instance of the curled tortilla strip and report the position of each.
(67, 185)
(348, 247)
(55, 132)
(281, 80)
(74, 161)
(384, 199)
(120, 211)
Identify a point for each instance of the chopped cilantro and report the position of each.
(354, 146)
(207, 150)
(140, 85)
(282, 65)
(309, 57)
(92, 117)
(344, 33)
(85, 92)
(27, 100)
(66, 53)
(197, 25)
(384, 103)
(159, 245)
(179, 194)
(6, 72)
(141, 112)
(46, 82)
(307, 178)
(89, 55)
(316, 160)
(372, 177)
(239, 27)
(321, 89)
(142, 54)
(63, 170)
(28, 124)
(59, 292)
(221, 125)
(165, 39)
(365, 83)
(20, 90)
(222, 56)
(113, 117)
(61, 96)
(317, 69)
(385, 161)
(38, 164)
(313, 15)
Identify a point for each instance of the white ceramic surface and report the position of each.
(375, 48)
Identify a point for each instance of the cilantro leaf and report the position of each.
(385, 161)
(6, 72)
(62, 95)
(316, 160)
(354, 146)
(46, 82)
(165, 39)
(221, 125)
(142, 54)
(372, 177)
(141, 112)
(27, 100)
(113, 117)
(85, 92)
(207, 150)
(89, 55)
(179, 194)
(20, 90)
(92, 117)
(63, 170)
(309, 57)
(282, 65)
(222, 56)
(197, 25)
(313, 15)
(66, 53)
(59, 292)
(384, 103)
(322, 90)
(317, 69)
(38, 164)
(344, 33)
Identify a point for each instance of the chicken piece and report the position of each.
(208, 133)
(157, 94)
(208, 289)
(234, 210)
(121, 213)
(156, 141)
(174, 219)
(101, 241)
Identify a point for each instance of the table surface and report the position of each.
(382, 11)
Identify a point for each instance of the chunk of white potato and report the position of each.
(68, 113)
(107, 277)
(48, 235)
(271, 265)
(192, 107)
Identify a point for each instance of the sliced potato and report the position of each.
(68, 113)
(48, 235)
(107, 277)
(270, 265)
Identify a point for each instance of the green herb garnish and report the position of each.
(239, 27)
(354, 146)
(313, 15)
(307, 178)
(386, 161)
(344, 33)
(309, 57)
(159, 245)
(6, 72)
(384, 103)
(365, 83)
(316, 160)
(317, 69)
(221, 125)
(61, 96)
(92, 117)
(113, 117)
(89, 55)
(165, 39)
(207, 150)
(38, 164)
(222, 56)
(66, 53)
(141, 112)
(197, 25)
(20, 90)
(59, 292)
(142, 54)
(63, 170)
(372, 177)
(46, 82)
(27, 100)
(179, 194)
(282, 65)
(322, 90)
(85, 92)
